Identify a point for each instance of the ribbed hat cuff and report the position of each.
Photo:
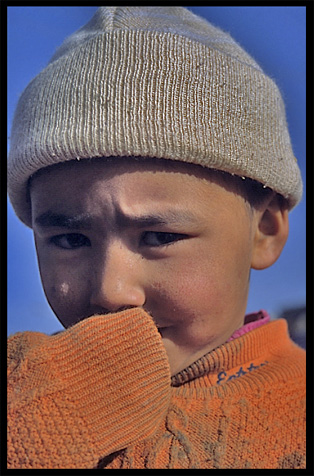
(141, 93)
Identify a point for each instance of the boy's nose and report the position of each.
(117, 283)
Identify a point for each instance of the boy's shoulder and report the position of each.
(283, 368)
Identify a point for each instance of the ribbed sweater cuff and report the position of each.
(105, 383)
(118, 362)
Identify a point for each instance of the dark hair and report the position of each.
(254, 192)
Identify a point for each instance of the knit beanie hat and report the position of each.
(152, 82)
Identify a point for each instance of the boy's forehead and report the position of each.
(157, 178)
(144, 192)
(154, 176)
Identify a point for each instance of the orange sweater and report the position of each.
(99, 395)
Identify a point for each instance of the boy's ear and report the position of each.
(271, 233)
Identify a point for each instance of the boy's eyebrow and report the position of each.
(50, 219)
(84, 221)
(152, 219)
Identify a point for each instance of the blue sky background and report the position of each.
(274, 36)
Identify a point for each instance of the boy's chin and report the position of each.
(179, 357)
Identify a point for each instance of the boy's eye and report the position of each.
(70, 241)
(156, 238)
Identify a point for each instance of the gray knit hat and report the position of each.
(152, 82)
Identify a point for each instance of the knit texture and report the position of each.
(153, 82)
(99, 395)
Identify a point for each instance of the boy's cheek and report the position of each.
(186, 300)
(67, 300)
(205, 306)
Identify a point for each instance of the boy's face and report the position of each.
(117, 234)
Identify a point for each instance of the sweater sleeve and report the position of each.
(78, 396)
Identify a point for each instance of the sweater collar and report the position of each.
(238, 356)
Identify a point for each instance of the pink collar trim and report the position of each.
(251, 321)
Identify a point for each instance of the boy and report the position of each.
(152, 160)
